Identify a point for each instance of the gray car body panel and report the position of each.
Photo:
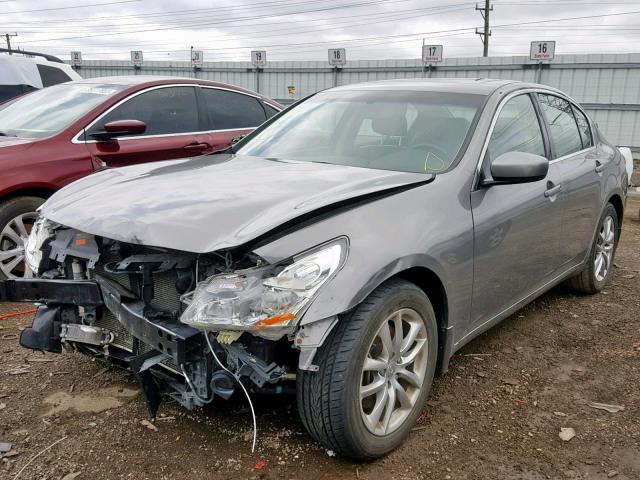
(468, 235)
(209, 203)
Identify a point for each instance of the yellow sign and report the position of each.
(291, 89)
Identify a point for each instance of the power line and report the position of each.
(341, 19)
(416, 34)
(74, 7)
(194, 11)
(334, 7)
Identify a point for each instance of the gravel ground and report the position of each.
(497, 414)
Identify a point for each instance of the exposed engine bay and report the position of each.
(190, 326)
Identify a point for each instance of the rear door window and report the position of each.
(583, 127)
(164, 111)
(231, 110)
(565, 135)
(269, 110)
(517, 129)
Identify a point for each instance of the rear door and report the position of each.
(574, 152)
(229, 114)
(172, 119)
(516, 227)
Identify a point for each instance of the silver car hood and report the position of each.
(212, 202)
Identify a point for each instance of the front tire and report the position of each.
(597, 272)
(17, 216)
(375, 373)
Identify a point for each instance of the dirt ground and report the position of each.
(497, 414)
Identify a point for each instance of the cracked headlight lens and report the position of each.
(259, 300)
(40, 232)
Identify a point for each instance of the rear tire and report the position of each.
(16, 218)
(338, 403)
(599, 266)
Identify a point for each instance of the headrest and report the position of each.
(392, 123)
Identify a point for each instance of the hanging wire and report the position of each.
(253, 413)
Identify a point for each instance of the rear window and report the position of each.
(270, 110)
(52, 75)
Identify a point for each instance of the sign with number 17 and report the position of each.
(431, 53)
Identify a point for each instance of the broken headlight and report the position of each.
(263, 300)
(40, 232)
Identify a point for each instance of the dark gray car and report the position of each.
(346, 249)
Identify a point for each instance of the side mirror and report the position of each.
(120, 128)
(517, 167)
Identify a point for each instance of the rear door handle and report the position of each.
(599, 166)
(196, 146)
(551, 190)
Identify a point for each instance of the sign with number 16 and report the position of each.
(542, 50)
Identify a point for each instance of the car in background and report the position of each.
(53, 136)
(21, 74)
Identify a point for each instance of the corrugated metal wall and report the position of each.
(607, 85)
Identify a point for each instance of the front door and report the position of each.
(516, 227)
(170, 114)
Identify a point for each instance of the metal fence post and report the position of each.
(539, 72)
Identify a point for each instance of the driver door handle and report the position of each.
(552, 189)
(196, 147)
(599, 166)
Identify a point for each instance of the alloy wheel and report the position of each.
(13, 238)
(604, 248)
(393, 372)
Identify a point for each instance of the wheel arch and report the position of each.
(433, 287)
(42, 191)
(617, 203)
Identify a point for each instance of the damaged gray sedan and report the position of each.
(345, 249)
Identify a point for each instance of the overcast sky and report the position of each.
(227, 30)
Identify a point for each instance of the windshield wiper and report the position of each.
(5, 134)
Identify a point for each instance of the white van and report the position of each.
(22, 72)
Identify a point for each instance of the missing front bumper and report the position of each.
(63, 296)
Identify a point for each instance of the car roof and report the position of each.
(481, 86)
(151, 80)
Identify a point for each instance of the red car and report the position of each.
(53, 136)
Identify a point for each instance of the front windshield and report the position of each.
(408, 131)
(45, 112)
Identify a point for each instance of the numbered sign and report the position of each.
(197, 58)
(259, 58)
(337, 56)
(136, 57)
(431, 53)
(542, 50)
(76, 59)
